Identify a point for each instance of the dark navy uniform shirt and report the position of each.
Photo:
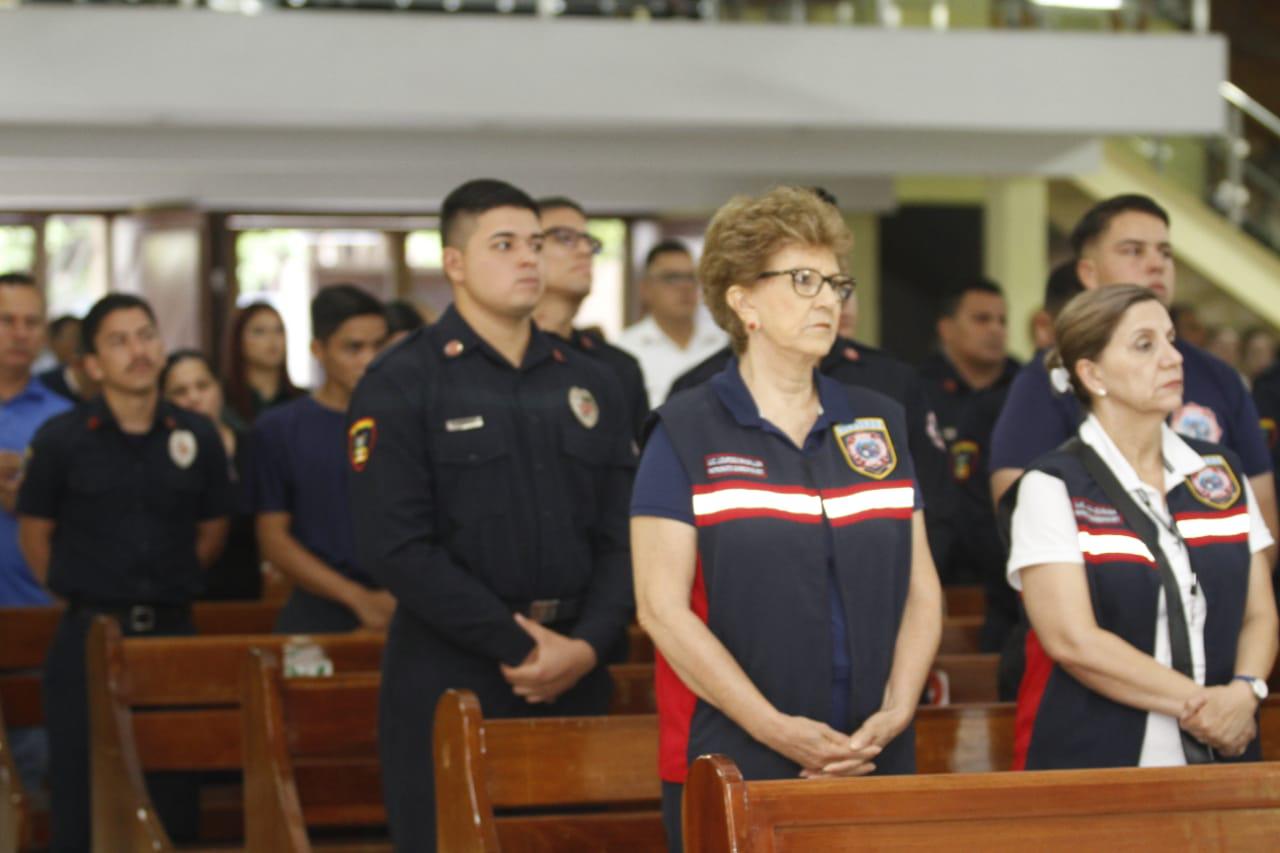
(951, 397)
(126, 505)
(1266, 396)
(479, 486)
(624, 365)
(299, 462)
(1216, 408)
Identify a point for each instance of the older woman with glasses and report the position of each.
(778, 540)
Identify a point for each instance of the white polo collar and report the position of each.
(1180, 460)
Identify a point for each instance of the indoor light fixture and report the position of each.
(1092, 5)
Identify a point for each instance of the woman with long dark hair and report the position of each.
(257, 375)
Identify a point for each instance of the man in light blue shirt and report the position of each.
(25, 404)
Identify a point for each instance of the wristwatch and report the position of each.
(1257, 685)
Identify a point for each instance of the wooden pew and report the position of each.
(965, 600)
(976, 738)
(311, 756)
(306, 770)
(173, 703)
(13, 800)
(605, 764)
(970, 678)
(1214, 807)
(25, 636)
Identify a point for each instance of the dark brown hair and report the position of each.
(239, 394)
(1086, 325)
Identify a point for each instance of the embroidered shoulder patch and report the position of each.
(734, 465)
(1088, 512)
(1196, 421)
(964, 457)
(1269, 430)
(867, 447)
(360, 441)
(1215, 485)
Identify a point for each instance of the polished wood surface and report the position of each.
(310, 754)
(173, 703)
(1219, 807)
(555, 763)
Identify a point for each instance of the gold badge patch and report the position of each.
(360, 440)
(1215, 485)
(583, 404)
(867, 447)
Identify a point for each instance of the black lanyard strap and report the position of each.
(1140, 523)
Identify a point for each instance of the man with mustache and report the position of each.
(123, 505)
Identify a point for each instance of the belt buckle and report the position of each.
(543, 611)
(142, 618)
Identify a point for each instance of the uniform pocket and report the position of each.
(473, 493)
(586, 457)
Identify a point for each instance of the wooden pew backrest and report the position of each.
(482, 765)
(311, 755)
(1220, 807)
(173, 703)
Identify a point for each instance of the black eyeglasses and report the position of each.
(808, 283)
(569, 238)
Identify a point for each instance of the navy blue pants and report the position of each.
(66, 696)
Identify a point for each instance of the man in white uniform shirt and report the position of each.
(677, 333)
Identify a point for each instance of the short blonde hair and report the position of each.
(748, 230)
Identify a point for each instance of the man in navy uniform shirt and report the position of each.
(300, 476)
(567, 255)
(1125, 240)
(972, 356)
(124, 504)
(491, 471)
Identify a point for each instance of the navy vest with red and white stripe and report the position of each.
(1061, 723)
(764, 511)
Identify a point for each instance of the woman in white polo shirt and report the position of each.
(1118, 672)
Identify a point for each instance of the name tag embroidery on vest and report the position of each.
(732, 464)
(1088, 512)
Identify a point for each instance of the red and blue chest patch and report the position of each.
(1215, 485)
(867, 447)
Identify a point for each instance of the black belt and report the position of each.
(138, 618)
(548, 611)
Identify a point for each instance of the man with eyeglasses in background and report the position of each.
(567, 256)
(676, 334)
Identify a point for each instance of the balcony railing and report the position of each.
(1120, 15)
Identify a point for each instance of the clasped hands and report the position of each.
(1222, 717)
(823, 752)
(556, 663)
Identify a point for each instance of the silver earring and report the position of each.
(1102, 392)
